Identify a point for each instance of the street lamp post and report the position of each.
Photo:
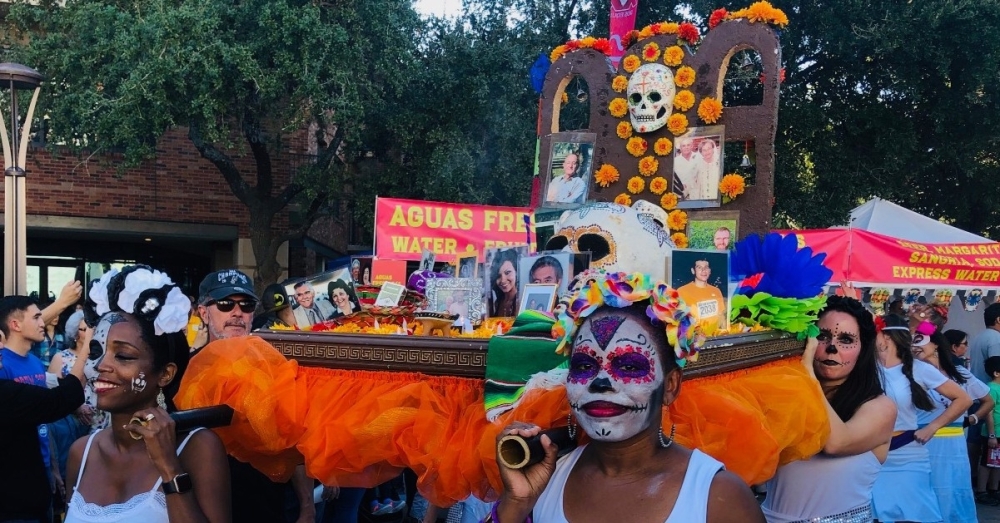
(15, 77)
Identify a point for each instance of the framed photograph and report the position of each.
(426, 261)
(539, 297)
(361, 270)
(467, 265)
(716, 230)
(547, 268)
(460, 296)
(323, 297)
(698, 164)
(566, 180)
(701, 277)
(501, 281)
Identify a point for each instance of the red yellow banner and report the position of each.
(866, 258)
(404, 228)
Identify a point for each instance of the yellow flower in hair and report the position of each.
(648, 166)
(630, 63)
(680, 240)
(623, 199)
(636, 146)
(658, 185)
(651, 52)
(606, 175)
(677, 220)
(668, 201)
(677, 124)
(710, 110)
(619, 84)
(673, 55)
(636, 185)
(624, 130)
(618, 107)
(684, 100)
(662, 147)
(684, 77)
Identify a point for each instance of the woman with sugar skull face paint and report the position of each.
(628, 339)
(139, 470)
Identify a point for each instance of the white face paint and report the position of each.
(103, 328)
(614, 377)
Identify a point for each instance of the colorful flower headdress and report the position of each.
(145, 293)
(596, 289)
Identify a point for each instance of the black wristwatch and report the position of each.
(179, 485)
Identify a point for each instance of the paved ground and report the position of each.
(988, 514)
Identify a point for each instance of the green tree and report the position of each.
(241, 76)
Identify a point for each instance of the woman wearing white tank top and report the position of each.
(623, 370)
(135, 471)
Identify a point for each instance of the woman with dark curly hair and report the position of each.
(342, 295)
(503, 275)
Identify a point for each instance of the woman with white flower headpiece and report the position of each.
(137, 470)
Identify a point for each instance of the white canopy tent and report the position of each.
(884, 217)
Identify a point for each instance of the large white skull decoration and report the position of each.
(619, 238)
(651, 93)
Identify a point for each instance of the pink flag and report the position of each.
(622, 21)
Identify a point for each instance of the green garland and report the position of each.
(784, 314)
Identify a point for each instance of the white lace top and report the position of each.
(148, 507)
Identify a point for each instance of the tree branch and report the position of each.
(241, 189)
(258, 146)
(314, 212)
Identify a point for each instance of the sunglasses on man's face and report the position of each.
(247, 306)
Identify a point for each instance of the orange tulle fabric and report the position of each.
(357, 428)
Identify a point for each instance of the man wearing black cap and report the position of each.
(226, 303)
(277, 309)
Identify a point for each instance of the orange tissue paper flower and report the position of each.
(623, 199)
(648, 166)
(636, 185)
(658, 185)
(684, 100)
(663, 146)
(677, 124)
(710, 110)
(732, 185)
(619, 84)
(651, 52)
(684, 77)
(668, 201)
(630, 63)
(618, 107)
(677, 220)
(636, 146)
(624, 130)
(606, 175)
(673, 55)
(680, 240)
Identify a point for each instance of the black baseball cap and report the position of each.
(275, 298)
(222, 284)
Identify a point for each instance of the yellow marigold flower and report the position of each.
(710, 110)
(636, 185)
(759, 12)
(677, 124)
(683, 100)
(619, 84)
(623, 199)
(732, 185)
(636, 146)
(651, 52)
(565, 98)
(684, 77)
(624, 130)
(779, 18)
(680, 240)
(558, 52)
(658, 185)
(662, 147)
(606, 175)
(587, 41)
(669, 28)
(618, 107)
(673, 55)
(630, 63)
(648, 166)
(668, 201)
(677, 220)
(645, 32)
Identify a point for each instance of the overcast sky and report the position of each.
(438, 7)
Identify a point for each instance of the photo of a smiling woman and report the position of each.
(345, 300)
(503, 279)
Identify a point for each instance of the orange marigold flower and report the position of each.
(732, 185)
(684, 77)
(669, 28)
(677, 220)
(624, 130)
(636, 185)
(648, 166)
(636, 146)
(603, 45)
(651, 52)
(668, 201)
(645, 32)
(619, 84)
(658, 185)
(677, 124)
(680, 240)
(662, 147)
(688, 31)
(710, 110)
(606, 175)
(587, 41)
(759, 12)
(684, 100)
(623, 199)
(558, 52)
(618, 107)
(565, 98)
(673, 55)
(630, 63)
(717, 17)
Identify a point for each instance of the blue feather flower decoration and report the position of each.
(777, 266)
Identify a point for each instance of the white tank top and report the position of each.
(820, 486)
(701, 470)
(148, 507)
